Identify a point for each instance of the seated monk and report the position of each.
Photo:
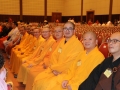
(21, 49)
(37, 40)
(82, 67)
(37, 56)
(106, 75)
(61, 59)
(34, 71)
(25, 39)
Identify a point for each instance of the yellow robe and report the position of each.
(61, 59)
(13, 58)
(30, 49)
(20, 47)
(34, 59)
(24, 40)
(34, 71)
(79, 71)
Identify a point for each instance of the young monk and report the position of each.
(61, 58)
(58, 34)
(36, 57)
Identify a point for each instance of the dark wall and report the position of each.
(31, 18)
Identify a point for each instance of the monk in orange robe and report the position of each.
(33, 72)
(37, 56)
(30, 49)
(61, 58)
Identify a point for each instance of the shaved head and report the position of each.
(91, 33)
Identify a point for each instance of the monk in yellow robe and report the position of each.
(37, 56)
(34, 71)
(81, 68)
(61, 58)
(24, 48)
(24, 45)
(24, 36)
(26, 39)
(31, 48)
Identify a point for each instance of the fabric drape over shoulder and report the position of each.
(61, 59)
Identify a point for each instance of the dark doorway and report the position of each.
(90, 16)
(55, 16)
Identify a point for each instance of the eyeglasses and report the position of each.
(113, 41)
(69, 29)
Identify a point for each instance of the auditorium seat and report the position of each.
(104, 49)
(100, 40)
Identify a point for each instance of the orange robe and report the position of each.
(61, 59)
(79, 71)
(17, 49)
(34, 59)
(13, 58)
(34, 71)
(31, 48)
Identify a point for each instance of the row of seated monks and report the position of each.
(57, 58)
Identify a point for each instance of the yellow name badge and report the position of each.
(60, 50)
(108, 72)
(34, 47)
(42, 48)
(79, 63)
(50, 49)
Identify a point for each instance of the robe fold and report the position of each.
(34, 71)
(34, 59)
(19, 47)
(31, 48)
(77, 72)
(61, 60)
(14, 64)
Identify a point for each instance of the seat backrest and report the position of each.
(100, 39)
(104, 49)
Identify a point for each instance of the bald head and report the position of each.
(89, 41)
(90, 33)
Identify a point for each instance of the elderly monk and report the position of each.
(61, 58)
(58, 34)
(37, 56)
(31, 48)
(106, 76)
